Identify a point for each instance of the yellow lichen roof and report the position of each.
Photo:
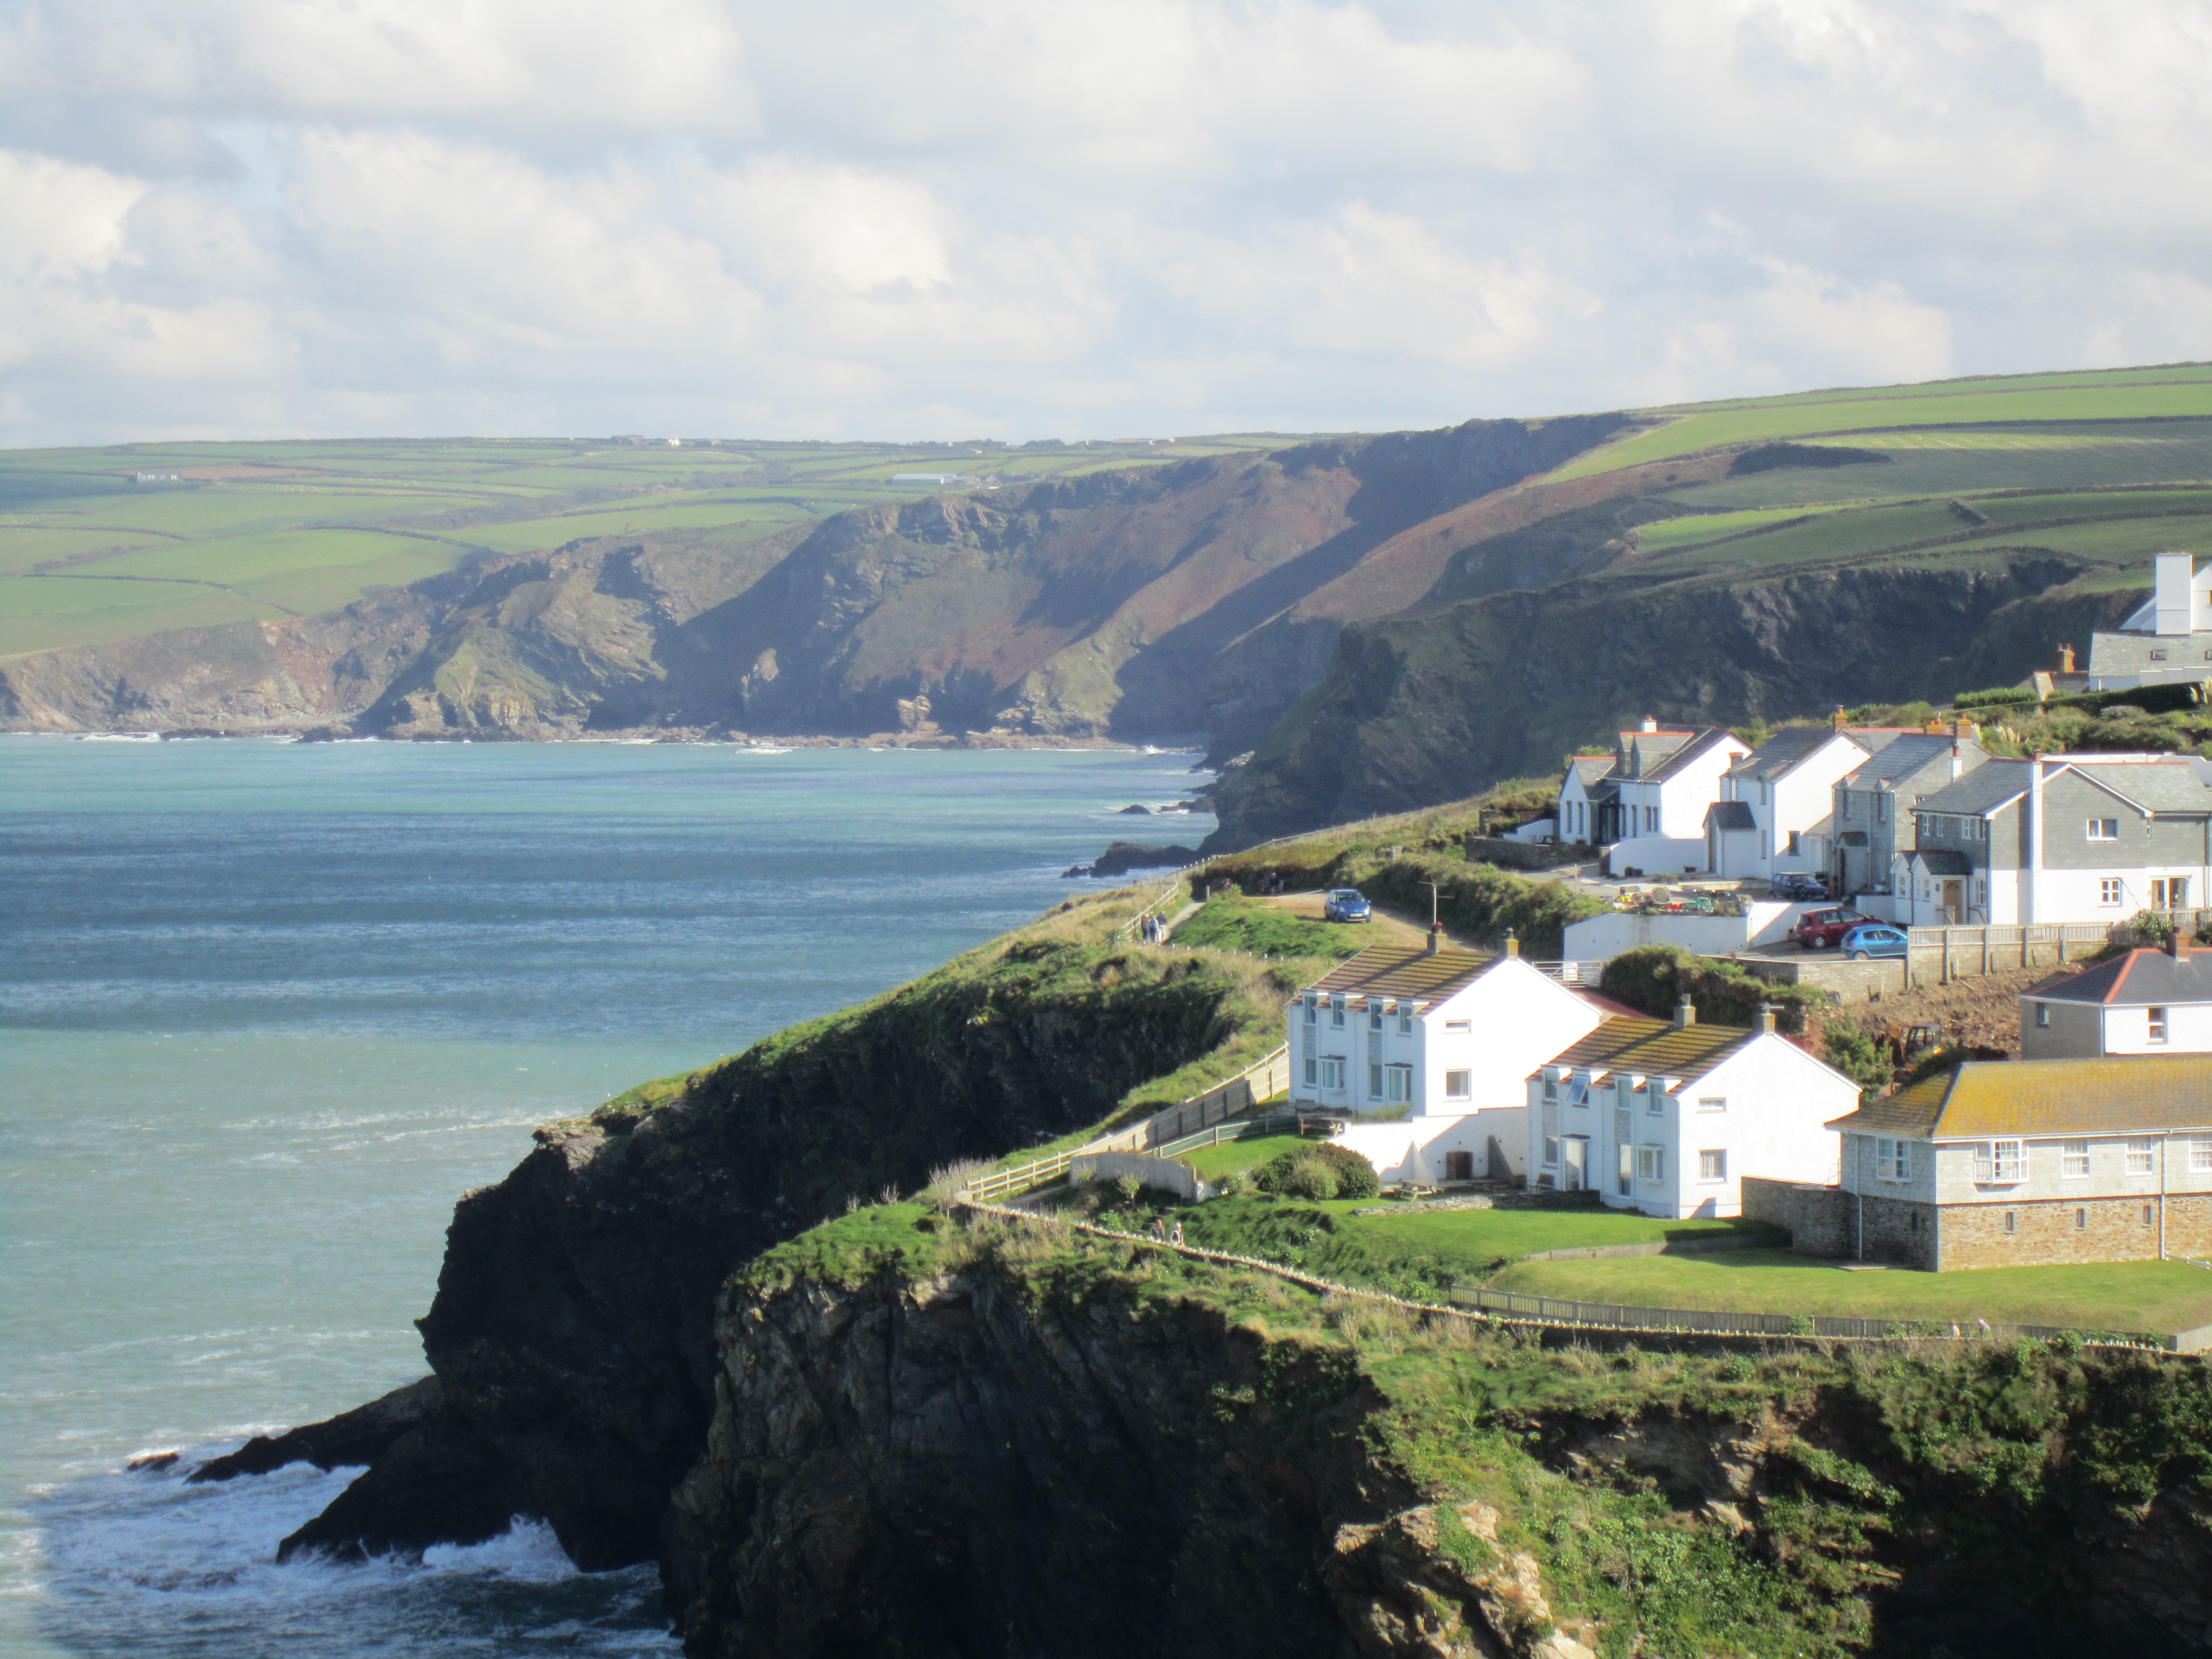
(1653, 1047)
(1404, 970)
(2024, 1098)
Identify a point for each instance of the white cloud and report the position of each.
(941, 217)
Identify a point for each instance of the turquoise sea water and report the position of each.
(267, 1009)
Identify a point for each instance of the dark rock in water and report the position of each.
(359, 1435)
(1141, 812)
(1193, 806)
(1073, 869)
(151, 1462)
(1124, 856)
(441, 1482)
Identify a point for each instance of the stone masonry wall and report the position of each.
(1896, 1230)
(2046, 1234)
(1828, 1221)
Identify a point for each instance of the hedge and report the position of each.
(1654, 977)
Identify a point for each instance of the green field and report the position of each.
(2156, 1297)
(304, 527)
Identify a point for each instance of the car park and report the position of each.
(1875, 939)
(1819, 930)
(1346, 904)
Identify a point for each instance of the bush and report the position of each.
(2152, 927)
(1320, 1171)
(1996, 696)
(1654, 977)
(1857, 1054)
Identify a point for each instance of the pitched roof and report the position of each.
(1942, 861)
(1712, 737)
(1906, 755)
(1590, 768)
(1784, 751)
(1983, 789)
(1406, 970)
(2173, 786)
(1984, 1099)
(2142, 978)
(1654, 1048)
(1731, 815)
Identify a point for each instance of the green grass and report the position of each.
(2158, 1296)
(2098, 398)
(38, 613)
(1416, 1253)
(1262, 930)
(1668, 534)
(1213, 1163)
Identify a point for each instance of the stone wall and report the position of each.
(1830, 1222)
(1524, 854)
(2046, 1234)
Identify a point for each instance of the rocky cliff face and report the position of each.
(571, 1334)
(1443, 703)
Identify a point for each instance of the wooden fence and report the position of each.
(1943, 954)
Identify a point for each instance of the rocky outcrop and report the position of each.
(571, 1334)
(354, 1437)
(972, 1464)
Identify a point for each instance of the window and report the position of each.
(1881, 809)
(2170, 894)
(1313, 1069)
(1999, 1162)
(1712, 1165)
(1651, 1163)
(1712, 1104)
(1460, 1025)
(1332, 1071)
(2011, 1221)
(2200, 1154)
(1313, 1011)
(1336, 1011)
(1459, 1085)
(2103, 829)
(1578, 1092)
(2043, 1016)
(2073, 1160)
(1375, 1017)
(2143, 1156)
(1652, 819)
(2158, 656)
(2157, 1033)
(2081, 1218)
(1375, 1079)
(1792, 850)
(1398, 1083)
(1404, 1019)
(1551, 1088)
(2108, 891)
(2147, 1215)
(1893, 1159)
(1654, 1100)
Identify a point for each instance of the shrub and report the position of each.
(1320, 1171)
(1994, 697)
(1857, 1054)
(1307, 1178)
(2152, 927)
(1654, 977)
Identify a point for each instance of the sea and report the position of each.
(267, 1009)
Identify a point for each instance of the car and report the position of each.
(1876, 939)
(1817, 930)
(1797, 885)
(1346, 904)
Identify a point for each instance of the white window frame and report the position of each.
(1712, 1165)
(2042, 1016)
(2073, 1160)
(1336, 1011)
(1459, 1085)
(1374, 1079)
(1999, 1162)
(2200, 1154)
(2111, 890)
(2141, 1157)
(1713, 1103)
(1893, 1158)
(1655, 1101)
(2158, 1024)
(1404, 1019)
(1313, 1011)
(1313, 1071)
(2102, 829)
(1397, 1083)
(1651, 1163)
(1332, 1071)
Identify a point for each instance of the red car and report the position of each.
(1820, 929)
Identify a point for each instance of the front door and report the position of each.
(2170, 893)
(1574, 1163)
(1625, 1151)
(1954, 902)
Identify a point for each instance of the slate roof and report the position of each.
(1782, 751)
(1731, 815)
(2143, 978)
(2035, 1099)
(1983, 789)
(1653, 1047)
(1942, 861)
(1902, 757)
(1711, 738)
(1406, 970)
(1590, 768)
(2171, 786)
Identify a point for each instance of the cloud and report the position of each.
(945, 217)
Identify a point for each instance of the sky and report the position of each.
(943, 219)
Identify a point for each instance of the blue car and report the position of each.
(1346, 904)
(1862, 943)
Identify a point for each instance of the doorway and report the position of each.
(1574, 1163)
(1952, 902)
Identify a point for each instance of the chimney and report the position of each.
(1436, 937)
(1651, 723)
(2065, 658)
(1957, 760)
(1512, 943)
(1766, 1013)
(1685, 1014)
(2178, 946)
(2173, 601)
(1837, 719)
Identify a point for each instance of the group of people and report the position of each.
(1154, 928)
(1164, 1234)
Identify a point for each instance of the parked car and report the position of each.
(1346, 904)
(1876, 939)
(1817, 930)
(1796, 886)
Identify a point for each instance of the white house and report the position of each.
(1669, 1118)
(2168, 641)
(1774, 798)
(2143, 1002)
(1648, 804)
(1426, 1052)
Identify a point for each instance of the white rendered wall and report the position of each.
(2188, 1028)
(1601, 938)
(1414, 1150)
(1657, 855)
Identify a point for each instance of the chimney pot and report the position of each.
(1766, 1017)
(2065, 658)
(1651, 723)
(2178, 946)
(1512, 943)
(1685, 1014)
(1436, 937)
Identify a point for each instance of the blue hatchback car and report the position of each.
(1346, 904)
(1873, 940)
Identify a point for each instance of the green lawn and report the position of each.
(1213, 1163)
(2157, 1296)
(1232, 924)
(1415, 1253)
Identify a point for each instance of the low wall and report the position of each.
(1666, 1247)
(1657, 855)
(1817, 1219)
(1847, 981)
(1163, 1174)
(1601, 938)
(1521, 855)
(1940, 955)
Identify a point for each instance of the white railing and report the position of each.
(1570, 973)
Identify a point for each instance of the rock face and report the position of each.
(958, 1466)
(571, 1334)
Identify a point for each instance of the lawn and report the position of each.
(1416, 1253)
(2157, 1296)
(1213, 1163)
(1262, 930)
